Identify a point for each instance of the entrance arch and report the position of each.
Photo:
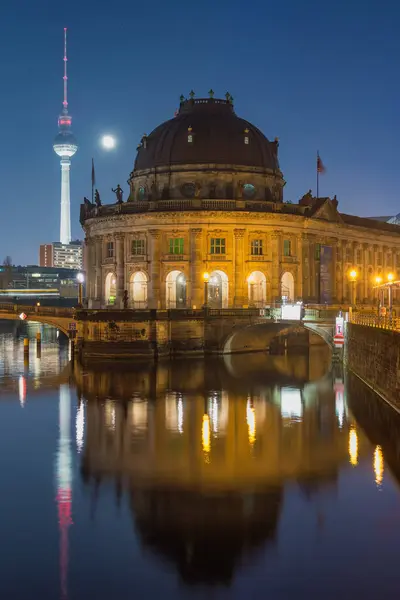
(176, 290)
(138, 291)
(287, 287)
(218, 286)
(111, 288)
(257, 289)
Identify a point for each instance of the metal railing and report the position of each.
(30, 310)
(374, 320)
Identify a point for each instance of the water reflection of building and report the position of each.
(205, 464)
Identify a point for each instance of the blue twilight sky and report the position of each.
(319, 75)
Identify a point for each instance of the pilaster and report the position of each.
(276, 244)
(154, 295)
(239, 274)
(196, 268)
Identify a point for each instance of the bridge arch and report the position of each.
(258, 337)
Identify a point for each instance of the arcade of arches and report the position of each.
(164, 282)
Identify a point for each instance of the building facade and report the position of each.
(64, 256)
(205, 223)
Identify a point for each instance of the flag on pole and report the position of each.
(93, 175)
(320, 165)
(93, 179)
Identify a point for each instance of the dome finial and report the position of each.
(192, 95)
(182, 98)
(229, 98)
(211, 93)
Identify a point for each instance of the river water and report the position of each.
(251, 477)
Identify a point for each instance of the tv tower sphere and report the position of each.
(65, 146)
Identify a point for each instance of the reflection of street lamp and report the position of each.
(251, 281)
(80, 278)
(206, 279)
(353, 278)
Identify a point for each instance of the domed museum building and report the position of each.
(205, 222)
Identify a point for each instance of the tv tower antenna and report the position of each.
(65, 147)
(65, 102)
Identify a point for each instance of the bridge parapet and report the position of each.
(374, 320)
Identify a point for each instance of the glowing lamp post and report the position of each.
(353, 279)
(378, 281)
(80, 278)
(206, 279)
(390, 278)
(251, 282)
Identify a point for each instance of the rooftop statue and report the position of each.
(119, 193)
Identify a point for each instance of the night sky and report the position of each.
(318, 75)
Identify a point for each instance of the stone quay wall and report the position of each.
(126, 334)
(374, 355)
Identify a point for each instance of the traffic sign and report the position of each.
(72, 326)
(23, 316)
(338, 340)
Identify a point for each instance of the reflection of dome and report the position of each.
(206, 536)
(218, 138)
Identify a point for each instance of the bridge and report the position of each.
(61, 318)
(129, 332)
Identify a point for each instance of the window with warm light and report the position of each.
(137, 247)
(110, 249)
(176, 246)
(217, 246)
(287, 248)
(256, 247)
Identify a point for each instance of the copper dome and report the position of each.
(218, 138)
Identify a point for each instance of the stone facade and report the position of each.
(140, 251)
(191, 213)
(374, 355)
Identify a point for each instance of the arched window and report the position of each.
(138, 291)
(257, 289)
(287, 287)
(176, 290)
(218, 286)
(111, 288)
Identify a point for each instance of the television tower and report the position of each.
(65, 146)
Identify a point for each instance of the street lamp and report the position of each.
(251, 281)
(80, 278)
(390, 278)
(353, 278)
(206, 279)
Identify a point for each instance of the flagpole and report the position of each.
(317, 174)
(92, 180)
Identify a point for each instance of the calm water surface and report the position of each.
(251, 477)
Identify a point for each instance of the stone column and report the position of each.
(89, 267)
(239, 298)
(98, 288)
(300, 266)
(154, 292)
(366, 276)
(338, 271)
(120, 263)
(312, 267)
(196, 268)
(276, 243)
(305, 259)
(345, 276)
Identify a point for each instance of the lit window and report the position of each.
(190, 138)
(142, 193)
(317, 252)
(138, 247)
(246, 139)
(176, 246)
(110, 249)
(287, 248)
(217, 246)
(257, 247)
(249, 190)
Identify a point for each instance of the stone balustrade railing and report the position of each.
(373, 320)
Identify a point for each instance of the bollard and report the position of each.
(26, 345)
(38, 338)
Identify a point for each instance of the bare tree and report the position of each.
(6, 273)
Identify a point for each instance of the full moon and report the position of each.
(108, 142)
